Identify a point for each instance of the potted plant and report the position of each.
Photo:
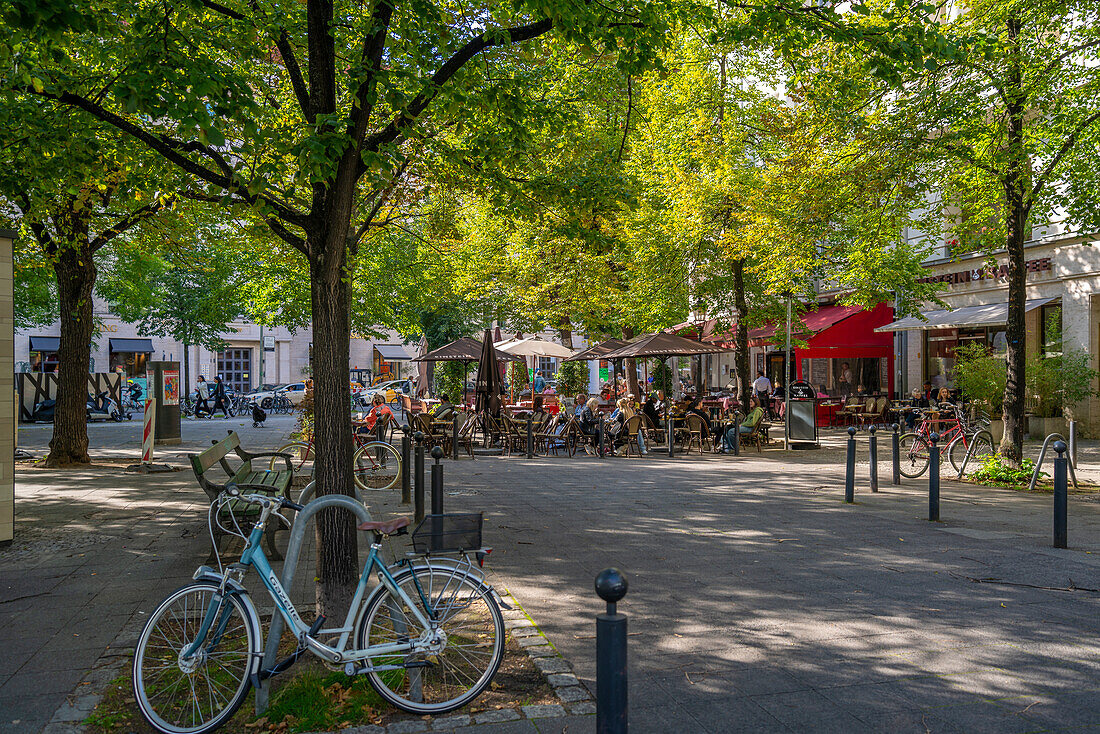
(981, 376)
(1057, 382)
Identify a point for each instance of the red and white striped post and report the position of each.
(147, 431)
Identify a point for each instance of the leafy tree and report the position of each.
(572, 379)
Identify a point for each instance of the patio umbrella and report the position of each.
(597, 351)
(663, 346)
(489, 388)
(536, 346)
(465, 349)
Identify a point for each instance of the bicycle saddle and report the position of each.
(385, 527)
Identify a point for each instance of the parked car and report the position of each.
(389, 390)
(296, 391)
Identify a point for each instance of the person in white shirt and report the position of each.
(762, 386)
(201, 406)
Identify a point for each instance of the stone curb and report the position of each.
(573, 698)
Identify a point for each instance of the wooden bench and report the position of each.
(250, 477)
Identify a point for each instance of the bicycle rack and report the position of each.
(970, 449)
(294, 546)
(1043, 456)
(308, 492)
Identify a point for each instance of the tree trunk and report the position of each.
(565, 331)
(75, 272)
(337, 550)
(1011, 447)
(741, 355)
(631, 368)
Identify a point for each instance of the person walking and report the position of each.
(538, 384)
(761, 388)
(202, 389)
(221, 400)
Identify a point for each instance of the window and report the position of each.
(548, 366)
(1051, 329)
(234, 365)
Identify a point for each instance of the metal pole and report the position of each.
(599, 449)
(897, 454)
(668, 424)
(1061, 496)
(611, 675)
(437, 498)
(530, 436)
(406, 464)
(1073, 442)
(736, 433)
(418, 477)
(787, 382)
(454, 436)
(850, 468)
(874, 459)
(933, 478)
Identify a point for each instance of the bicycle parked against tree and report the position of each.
(956, 436)
(429, 637)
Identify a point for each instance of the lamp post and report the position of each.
(787, 381)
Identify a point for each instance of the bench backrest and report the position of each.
(202, 462)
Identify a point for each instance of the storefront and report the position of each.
(835, 348)
(387, 361)
(43, 353)
(128, 356)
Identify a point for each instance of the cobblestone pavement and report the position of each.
(758, 600)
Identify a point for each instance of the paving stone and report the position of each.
(551, 665)
(543, 711)
(562, 679)
(541, 651)
(532, 640)
(412, 726)
(512, 624)
(572, 693)
(582, 707)
(517, 726)
(451, 722)
(492, 717)
(521, 632)
(368, 729)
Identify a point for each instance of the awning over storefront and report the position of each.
(810, 322)
(992, 314)
(45, 343)
(393, 352)
(143, 346)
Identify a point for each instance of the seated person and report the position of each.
(444, 410)
(616, 422)
(649, 408)
(538, 412)
(694, 408)
(579, 403)
(377, 410)
(748, 423)
(590, 423)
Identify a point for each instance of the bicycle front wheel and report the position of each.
(983, 448)
(377, 465)
(301, 459)
(913, 455)
(468, 633)
(200, 694)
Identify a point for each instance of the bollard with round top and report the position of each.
(850, 468)
(874, 459)
(437, 498)
(530, 436)
(895, 439)
(611, 679)
(933, 477)
(418, 477)
(1061, 495)
(406, 461)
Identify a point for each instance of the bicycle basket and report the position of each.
(448, 533)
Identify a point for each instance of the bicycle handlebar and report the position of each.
(262, 500)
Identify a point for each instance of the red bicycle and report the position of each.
(956, 437)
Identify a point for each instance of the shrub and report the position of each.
(994, 470)
(1060, 381)
(981, 376)
(518, 376)
(573, 378)
(450, 380)
(662, 377)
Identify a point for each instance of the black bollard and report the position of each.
(897, 454)
(671, 437)
(599, 448)
(850, 468)
(933, 478)
(454, 436)
(1061, 496)
(874, 459)
(530, 436)
(437, 498)
(736, 433)
(418, 477)
(611, 678)
(406, 468)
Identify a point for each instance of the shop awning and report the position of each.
(132, 345)
(810, 322)
(991, 314)
(393, 352)
(45, 343)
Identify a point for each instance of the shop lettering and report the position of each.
(988, 273)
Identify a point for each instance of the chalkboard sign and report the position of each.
(802, 390)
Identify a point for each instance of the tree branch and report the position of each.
(276, 226)
(1067, 145)
(290, 63)
(130, 220)
(373, 46)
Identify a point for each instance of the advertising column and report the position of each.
(164, 378)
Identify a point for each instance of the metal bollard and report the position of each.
(874, 459)
(611, 700)
(1061, 496)
(418, 477)
(933, 478)
(850, 468)
(1073, 442)
(736, 433)
(437, 498)
(671, 437)
(406, 468)
(454, 436)
(530, 436)
(599, 439)
(896, 461)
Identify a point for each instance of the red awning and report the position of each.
(810, 322)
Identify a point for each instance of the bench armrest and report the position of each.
(249, 456)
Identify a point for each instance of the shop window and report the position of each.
(129, 364)
(1052, 330)
(846, 377)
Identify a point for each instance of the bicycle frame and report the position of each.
(253, 556)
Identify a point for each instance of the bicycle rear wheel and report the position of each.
(197, 695)
(913, 455)
(983, 448)
(470, 640)
(377, 466)
(301, 459)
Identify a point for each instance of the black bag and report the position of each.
(259, 415)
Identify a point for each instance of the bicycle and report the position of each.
(280, 403)
(956, 436)
(429, 637)
(376, 464)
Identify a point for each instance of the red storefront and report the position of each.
(835, 348)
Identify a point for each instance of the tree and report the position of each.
(77, 189)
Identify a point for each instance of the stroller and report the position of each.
(259, 415)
